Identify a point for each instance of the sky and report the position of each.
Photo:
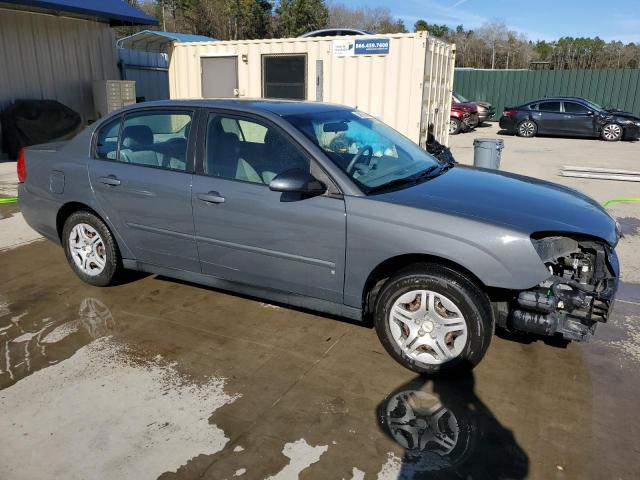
(538, 19)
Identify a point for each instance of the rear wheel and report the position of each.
(90, 249)
(527, 129)
(455, 126)
(611, 132)
(433, 319)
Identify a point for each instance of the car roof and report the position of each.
(330, 32)
(258, 105)
(545, 99)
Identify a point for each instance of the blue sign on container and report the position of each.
(375, 46)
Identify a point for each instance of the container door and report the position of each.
(284, 76)
(219, 77)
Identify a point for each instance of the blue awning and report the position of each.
(117, 12)
(154, 41)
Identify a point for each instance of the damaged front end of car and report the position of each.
(578, 294)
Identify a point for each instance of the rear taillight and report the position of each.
(508, 113)
(21, 167)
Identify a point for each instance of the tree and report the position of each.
(493, 45)
(295, 17)
(495, 35)
(420, 26)
(440, 31)
(376, 20)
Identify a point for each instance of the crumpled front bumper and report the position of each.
(631, 132)
(564, 308)
(470, 121)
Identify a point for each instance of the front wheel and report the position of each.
(455, 126)
(433, 319)
(90, 249)
(611, 132)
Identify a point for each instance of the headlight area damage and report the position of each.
(578, 294)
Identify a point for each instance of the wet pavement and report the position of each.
(156, 378)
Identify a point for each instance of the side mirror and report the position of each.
(298, 181)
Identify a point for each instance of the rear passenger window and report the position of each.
(107, 142)
(241, 149)
(157, 139)
(549, 106)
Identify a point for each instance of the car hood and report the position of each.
(486, 105)
(464, 107)
(621, 114)
(525, 204)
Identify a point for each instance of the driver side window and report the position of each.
(241, 149)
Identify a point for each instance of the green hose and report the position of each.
(620, 200)
(8, 200)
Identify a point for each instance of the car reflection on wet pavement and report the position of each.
(161, 379)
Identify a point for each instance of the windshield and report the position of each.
(593, 105)
(459, 98)
(370, 152)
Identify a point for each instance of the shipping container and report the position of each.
(403, 79)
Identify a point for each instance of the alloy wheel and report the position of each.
(453, 126)
(428, 327)
(87, 249)
(527, 129)
(612, 131)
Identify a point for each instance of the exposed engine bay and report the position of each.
(578, 294)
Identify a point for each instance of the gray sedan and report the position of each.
(324, 207)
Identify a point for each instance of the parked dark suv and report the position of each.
(570, 116)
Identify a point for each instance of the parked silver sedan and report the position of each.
(324, 207)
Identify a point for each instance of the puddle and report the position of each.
(93, 407)
(448, 431)
(28, 345)
(629, 225)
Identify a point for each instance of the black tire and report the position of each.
(113, 264)
(472, 302)
(527, 129)
(611, 132)
(455, 126)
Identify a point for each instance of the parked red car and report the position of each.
(464, 117)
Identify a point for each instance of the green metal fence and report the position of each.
(508, 88)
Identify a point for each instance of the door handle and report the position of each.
(211, 197)
(110, 180)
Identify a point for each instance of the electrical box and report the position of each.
(110, 95)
